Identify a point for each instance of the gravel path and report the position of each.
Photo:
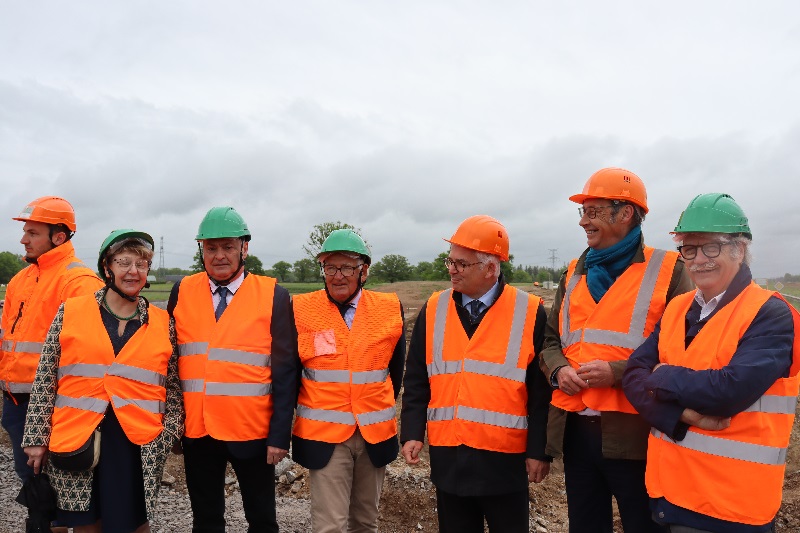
(174, 512)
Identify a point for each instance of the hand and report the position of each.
(275, 455)
(537, 470)
(707, 422)
(177, 448)
(568, 381)
(37, 455)
(411, 451)
(596, 374)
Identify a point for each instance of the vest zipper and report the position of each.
(19, 315)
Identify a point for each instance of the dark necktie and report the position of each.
(223, 302)
(474, 310)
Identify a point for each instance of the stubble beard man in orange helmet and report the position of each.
(481, 335)
(32, 300)
(606, 304)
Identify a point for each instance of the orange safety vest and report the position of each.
(609, 330)
(735, 474)
(345, 381)
(478, 392)
(225, 367)
(89, 377)
(32, 300)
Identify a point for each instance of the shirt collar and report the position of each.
(233, 286)
(487, 299)
(356, 298)
(707, 307)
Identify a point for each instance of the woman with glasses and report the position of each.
(106, 404)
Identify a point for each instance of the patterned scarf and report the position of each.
(605, 266)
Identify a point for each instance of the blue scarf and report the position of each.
(604, 266)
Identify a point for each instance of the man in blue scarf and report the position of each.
(608, 301)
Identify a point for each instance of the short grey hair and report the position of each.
(351, 255)
(638, 212)
(737, 238)
(485, 258)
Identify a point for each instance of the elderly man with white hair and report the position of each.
(718, 381)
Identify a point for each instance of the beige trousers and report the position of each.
(345, 493)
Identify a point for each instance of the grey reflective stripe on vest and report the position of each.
(731, 449)
(481, 416)
(192, 348)
(375, 417)
(239, 356)
(507, 369)
(29, 347)
(76, 264)
(438, 366)
(86, 403)
(437, 414)
(83, 370)
(19, 388)
(326, 415)
(782, 405)
(326, 376)
(238, 389)
(6, 345)
(492, 418)
(141, 375)
(192, 385)
(635, 334)
(370, 376)
(151, 406)
(343, 376)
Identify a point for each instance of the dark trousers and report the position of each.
(504, 513)
(591, 480)
(13, 422)
(205, 461)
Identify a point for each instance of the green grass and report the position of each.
(301, 288)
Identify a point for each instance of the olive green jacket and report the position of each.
(624, 435)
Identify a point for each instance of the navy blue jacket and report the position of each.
(764, 354)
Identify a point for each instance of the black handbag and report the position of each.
(83, 459)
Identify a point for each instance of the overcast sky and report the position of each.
(401, 118)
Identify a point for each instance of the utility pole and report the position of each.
(553, 258)
(161, 259)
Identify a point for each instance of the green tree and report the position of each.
(320, 233)
(281, 270)
(305, 269)
(197, 264)
(392, 268)
(522, 276)
(438, 270)
(10, 264)
(422, 271)
(254, 265)
(508, 269)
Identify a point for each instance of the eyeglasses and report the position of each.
(458, 265)
(710, 249)
(591, 211)
(142, 265)
(346, 270)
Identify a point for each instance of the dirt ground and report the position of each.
(408, 500)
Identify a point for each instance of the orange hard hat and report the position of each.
(614, 184)
(50, 210)
(482, 233)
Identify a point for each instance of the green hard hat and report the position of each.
(118, 236)
(345, 240)
(221, 223)
(713, 213)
